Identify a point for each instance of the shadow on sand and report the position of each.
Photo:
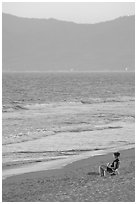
(93, 173)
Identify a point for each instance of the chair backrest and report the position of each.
(118, 166)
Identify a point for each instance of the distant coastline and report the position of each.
(53, 45)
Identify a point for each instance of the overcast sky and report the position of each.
(80, 12)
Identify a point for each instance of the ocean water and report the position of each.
(54, 116)
(39, 88)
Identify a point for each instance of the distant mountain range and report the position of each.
(53, 45)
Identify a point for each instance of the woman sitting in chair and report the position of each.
(110, 168)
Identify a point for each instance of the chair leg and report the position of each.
(117, 172)
(105, 173)
(101, 171)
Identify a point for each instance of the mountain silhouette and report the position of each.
(30, 44)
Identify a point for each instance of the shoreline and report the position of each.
(53, 185)
(15, 169)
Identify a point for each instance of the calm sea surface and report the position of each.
(27, 88)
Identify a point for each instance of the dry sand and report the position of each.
(78, 181)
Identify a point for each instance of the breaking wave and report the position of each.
(19, 105)
(107, 100)
(11, 108)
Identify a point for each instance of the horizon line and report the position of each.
(67, 71)
(67, 21)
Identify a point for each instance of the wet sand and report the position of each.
(76, 182)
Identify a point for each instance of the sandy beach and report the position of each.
(77, 182)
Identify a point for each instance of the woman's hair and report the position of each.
(117, 154)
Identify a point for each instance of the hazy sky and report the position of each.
(80, 12)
